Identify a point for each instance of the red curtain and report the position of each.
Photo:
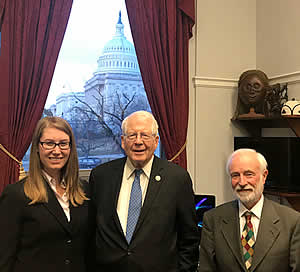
(2, 5)
(31, 36)
(161, 31)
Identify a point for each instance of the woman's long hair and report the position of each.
(34, 186)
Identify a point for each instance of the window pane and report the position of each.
(97, 81)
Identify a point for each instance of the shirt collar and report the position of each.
(129, 168)
(52, 181)
(256, 209)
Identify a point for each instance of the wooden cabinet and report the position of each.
(254, 127)
(292, 198)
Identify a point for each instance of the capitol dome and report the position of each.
(118, 55)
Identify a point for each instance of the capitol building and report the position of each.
(117, 77)
(114, 91)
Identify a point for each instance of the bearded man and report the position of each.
(251, 233)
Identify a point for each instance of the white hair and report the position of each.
(147, 115)
(261, 159)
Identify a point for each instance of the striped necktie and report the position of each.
(248, 240)
(135, 205)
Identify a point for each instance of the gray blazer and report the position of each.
(277, 245)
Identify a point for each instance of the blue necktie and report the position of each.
(135, 205)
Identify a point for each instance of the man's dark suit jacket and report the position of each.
(166, 237)
(277, 247)
(38, 237)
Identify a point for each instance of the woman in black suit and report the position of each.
(44, 218)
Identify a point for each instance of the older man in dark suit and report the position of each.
(145, 215)
(251, 233)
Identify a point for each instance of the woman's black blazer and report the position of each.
(38, 237)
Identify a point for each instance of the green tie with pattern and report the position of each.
(248, 240)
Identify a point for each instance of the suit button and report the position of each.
(67, 261)
(128, 253)
(69, 241)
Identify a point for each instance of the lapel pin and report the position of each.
(157, 178)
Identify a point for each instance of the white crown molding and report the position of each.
(214, 82)
(291, 78)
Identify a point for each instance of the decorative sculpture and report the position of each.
(258, 99)
(276, 97)
(291, 108)
(252, 89)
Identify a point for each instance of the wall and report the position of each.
(224, 46)
(278, 42)
(278, 39)
(231, 37)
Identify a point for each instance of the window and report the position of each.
(85, 87)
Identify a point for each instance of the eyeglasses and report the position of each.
(143, 136)
(52, 145)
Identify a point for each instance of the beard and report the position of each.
(250, 195)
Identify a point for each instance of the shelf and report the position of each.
(294, 123)
(255, 125)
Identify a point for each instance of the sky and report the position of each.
(91, 25)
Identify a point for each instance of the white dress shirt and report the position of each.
(255, 218)
(63, 200)
(124, 195)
